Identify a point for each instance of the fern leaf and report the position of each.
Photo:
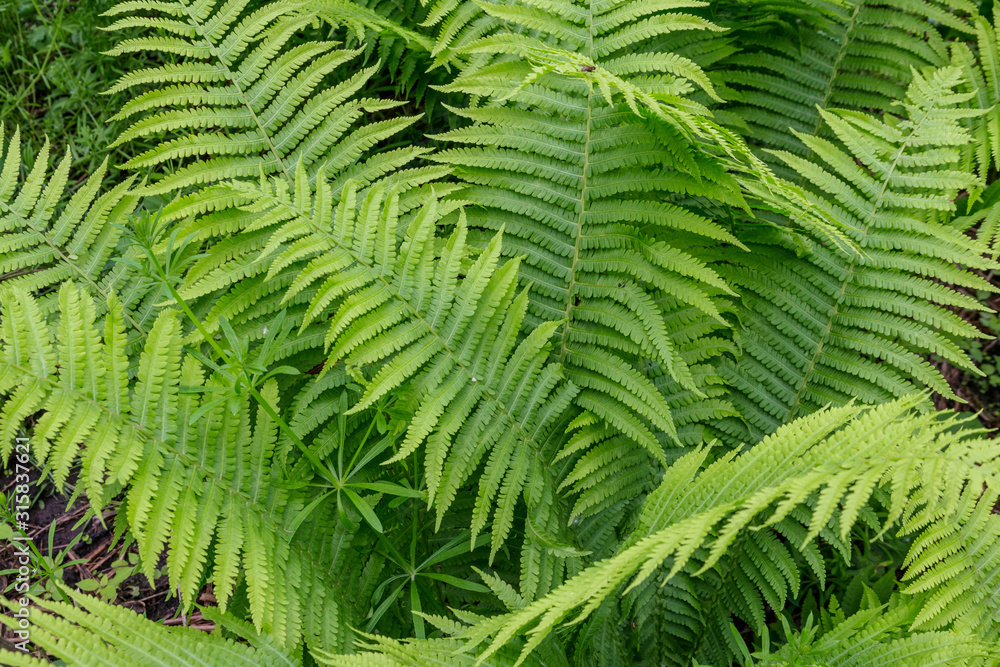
(448, 348)
(270, 102)
(100, 633)
(828, 326)
(48, 240)
(877, 635)
(953, 562)
(786, 79)
(735, 492)
(197, 479)
(572, 178)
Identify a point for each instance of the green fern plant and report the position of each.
(837, 464)
(445, 338)
(582, 185)
(475, 389)
(238, 65)
(980, 73)
(389, 31)
(827, 59)
(821, 325)
(874, 635)
(952, 566)
(417, 382)
(47, 240)
(198, 469)
(100, 632)
(977, 63)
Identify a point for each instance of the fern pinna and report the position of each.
(545, 332)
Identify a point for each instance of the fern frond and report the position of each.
(232, 279)
(955, 564)
(442, 334)
(978, 62)
(390, 32)
(98, 633)
(606, 470)
(857, 55)
(686, 616)
(877, 636)
(826, 456)
(388, 652)
(198, 475)
(249, 95)
(581, 182)
(457, 23)
(393, 357)
(374, 19)
(47, 240)
(823, 325)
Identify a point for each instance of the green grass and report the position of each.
(52, 76)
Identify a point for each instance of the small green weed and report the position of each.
(52, 75)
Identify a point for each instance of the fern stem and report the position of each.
(583, 191)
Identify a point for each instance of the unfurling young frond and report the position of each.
(822, 324)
